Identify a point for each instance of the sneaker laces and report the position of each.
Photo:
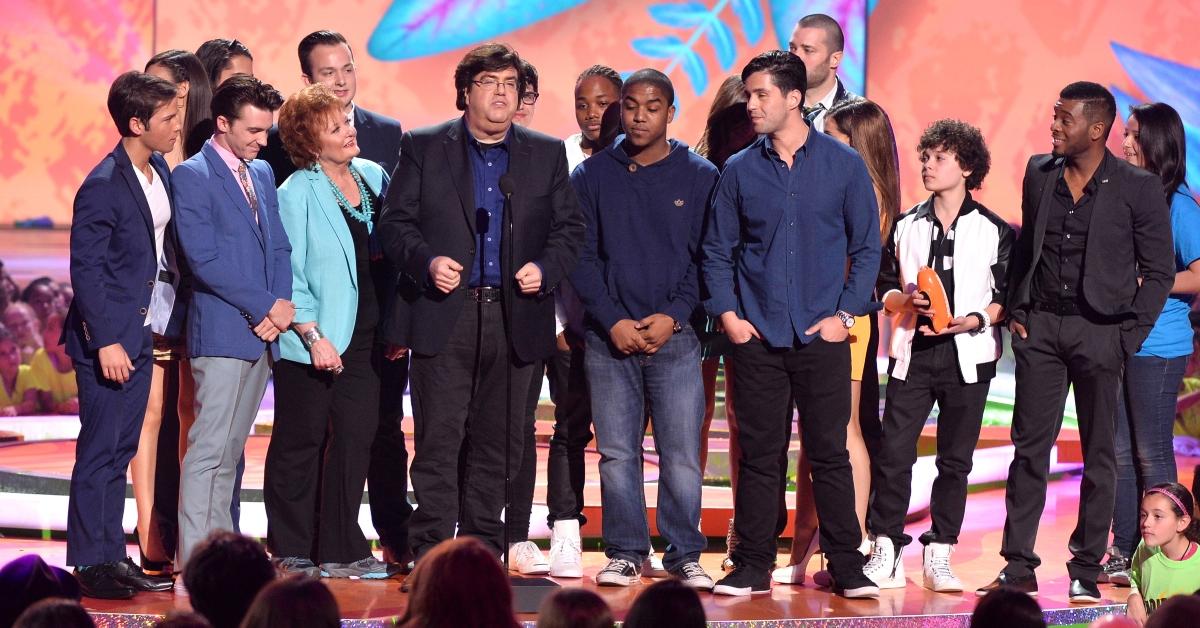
(692, 570)
(877, 561)
(618, 566)
(571, 544)
(939, 566)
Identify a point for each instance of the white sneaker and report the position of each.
(652, 567)
(792, 574)
(566, 555)
(937, 574)
(526, 559)
(885, 568)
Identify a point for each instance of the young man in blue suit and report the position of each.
(231, 235)
(114, 264)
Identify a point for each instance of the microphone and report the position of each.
(508, 184)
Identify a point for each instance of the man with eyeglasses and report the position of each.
(442, 227)
(529, 95)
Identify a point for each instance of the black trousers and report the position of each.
(316, 470)
(1062, 351)
(458, 399)
(572, 433)
(933, 377)
(165, 517)
(766, 379)
(520, 510)
(387, 471)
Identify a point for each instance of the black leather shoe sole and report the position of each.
(1026, 585)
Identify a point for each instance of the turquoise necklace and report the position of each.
(363, 215)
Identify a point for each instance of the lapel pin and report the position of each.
(633, 167)
(679, 202)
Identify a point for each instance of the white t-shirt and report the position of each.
(568, 310)
(819, 121)
(160, 211)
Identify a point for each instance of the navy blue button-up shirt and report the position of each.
(488, 163)
(779, 238)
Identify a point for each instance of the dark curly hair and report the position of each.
(965, 141)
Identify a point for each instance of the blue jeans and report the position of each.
(623, 389)
(1145, 456)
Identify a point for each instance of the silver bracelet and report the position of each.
(311, 336)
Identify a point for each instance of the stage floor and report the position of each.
(976, 562)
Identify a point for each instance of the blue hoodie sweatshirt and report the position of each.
(640, 254)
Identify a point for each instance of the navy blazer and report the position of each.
(429, 210)
(238, 269)
(378, 141)
(113, 260)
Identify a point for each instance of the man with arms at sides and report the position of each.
(1090, 272)
(818, 41)
(326, 58)
(788, 213)
(120, 214)
(643, 200)
(442, 226)
(234, 242)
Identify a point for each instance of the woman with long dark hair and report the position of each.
(864, 126)
(727, 131)
(1154, 140)
(185, 70)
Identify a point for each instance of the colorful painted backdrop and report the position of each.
(59, 58)
(997, 65)
(1000, 66)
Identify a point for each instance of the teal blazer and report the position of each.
(324, 273)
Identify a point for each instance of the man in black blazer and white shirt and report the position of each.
(1090, 272)
(442, 227)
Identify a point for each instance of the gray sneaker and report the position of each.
(693, 575)
(369, 568)
(289, 565)
(1116, 569)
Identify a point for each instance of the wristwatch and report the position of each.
(677, 327)
(846, 317)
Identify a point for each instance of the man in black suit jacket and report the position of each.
(326, 57)
(1090, 273)
(442, 227)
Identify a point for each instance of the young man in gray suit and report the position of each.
(230, 232)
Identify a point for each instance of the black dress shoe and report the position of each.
(98, 581)
(128, 573)
(1084, 592)
(1023, 584)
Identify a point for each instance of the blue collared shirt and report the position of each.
(779, 239)
(488, 164)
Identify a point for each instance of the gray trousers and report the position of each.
(228, 393)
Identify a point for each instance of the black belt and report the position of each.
(485, 294)
(1062, 308)
(166, 276)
